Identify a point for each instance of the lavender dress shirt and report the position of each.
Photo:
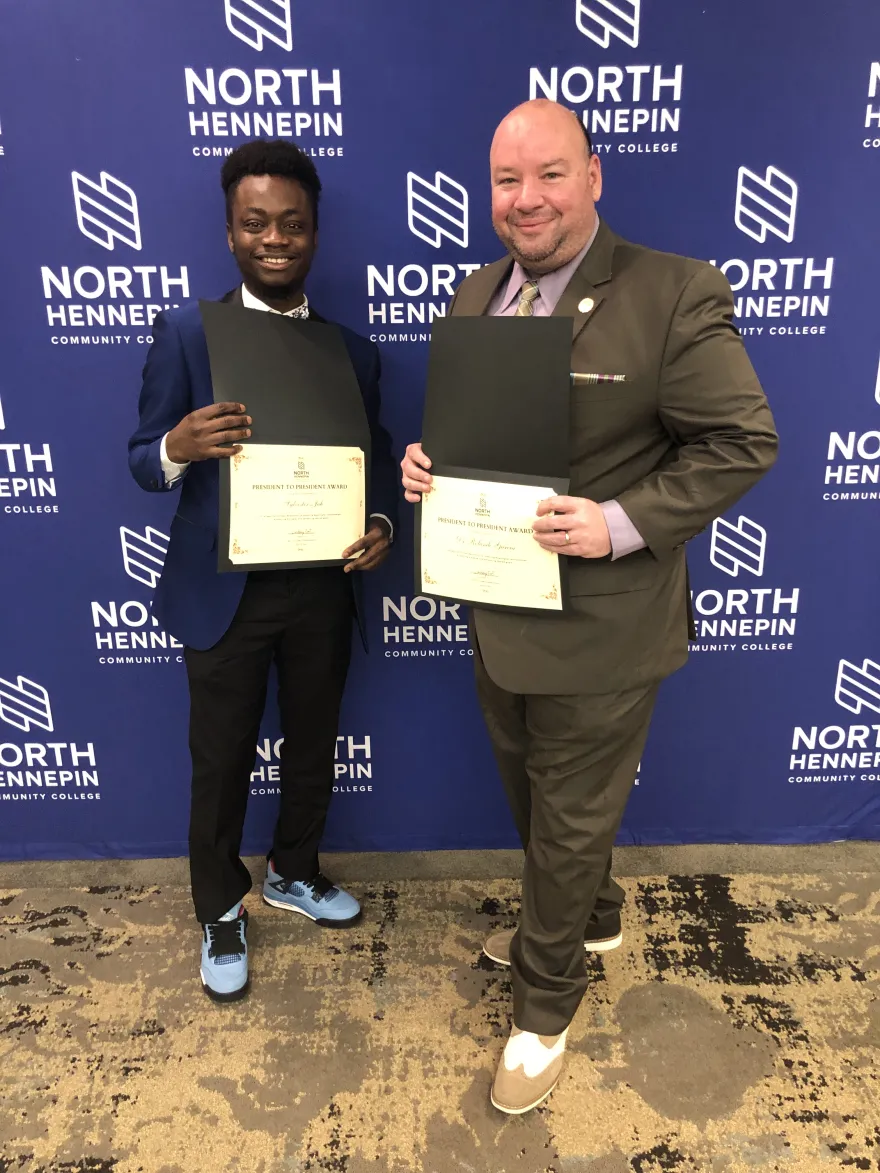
(625, 538)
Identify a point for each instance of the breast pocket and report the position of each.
(611, 407)
(597, 391)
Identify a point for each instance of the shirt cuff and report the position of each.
(172, 472)
(625, 538)
(390, 526)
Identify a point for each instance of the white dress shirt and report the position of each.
(173, 472)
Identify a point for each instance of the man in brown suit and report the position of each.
(655, 458)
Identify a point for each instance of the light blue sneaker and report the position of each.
(224, 970)
(317, 899)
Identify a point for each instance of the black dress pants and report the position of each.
(568, 764)
(301, 620)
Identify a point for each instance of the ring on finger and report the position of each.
(567, 538)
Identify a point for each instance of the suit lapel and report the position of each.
(475, 296)
(582, 296)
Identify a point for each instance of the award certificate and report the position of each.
(477, 545)
(294, 503)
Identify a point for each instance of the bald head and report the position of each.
(541, 117)
(545, 184)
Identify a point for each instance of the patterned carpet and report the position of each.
(736, 1029)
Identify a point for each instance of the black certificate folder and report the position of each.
(498, 394)
(497, 411)
(296, 379)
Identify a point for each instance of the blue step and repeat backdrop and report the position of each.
(747, 134)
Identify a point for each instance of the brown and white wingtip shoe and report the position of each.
(528, 1071)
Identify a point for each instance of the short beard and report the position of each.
(534, 262)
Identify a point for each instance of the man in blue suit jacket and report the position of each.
(234, 625)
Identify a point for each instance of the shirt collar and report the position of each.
(551, 286)
(253, 303)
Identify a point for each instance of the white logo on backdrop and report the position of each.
(437, 209)
(106, 211)
(2, 420)
(258, 21)
(765, 204)
(857, 687)
(738, 547)
(25, 704)
(876, 391)
(143, 555)
(601, 19)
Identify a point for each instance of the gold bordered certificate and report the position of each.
(294, 503)
(477, 545)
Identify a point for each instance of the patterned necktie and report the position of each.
(527, 295)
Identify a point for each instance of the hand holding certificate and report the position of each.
(295, 503)
(496, 425)
(478, 544)
(295, 493)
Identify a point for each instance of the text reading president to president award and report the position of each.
(477, 544)
(293, 503)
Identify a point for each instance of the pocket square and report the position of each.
(583, 379)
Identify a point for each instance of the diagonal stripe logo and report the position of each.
(437, 210)
(858, 686)
(106, 211)
(766, 204)
(257, 21)
(600, 20)
(25, 705)
(143, 555)
(738, 547)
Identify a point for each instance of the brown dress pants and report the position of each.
(568, 764)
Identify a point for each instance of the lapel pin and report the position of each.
(586, 305)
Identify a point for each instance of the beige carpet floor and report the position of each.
(737, 1029)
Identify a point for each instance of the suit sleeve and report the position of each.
(383, 483)
(713, 407)
(166, 397)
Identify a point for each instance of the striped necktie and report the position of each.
(527, 295)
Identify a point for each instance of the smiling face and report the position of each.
(272, 235)
(544, 186)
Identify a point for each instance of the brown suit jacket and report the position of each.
(677, 444)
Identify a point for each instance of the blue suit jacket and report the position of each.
(194, 602)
